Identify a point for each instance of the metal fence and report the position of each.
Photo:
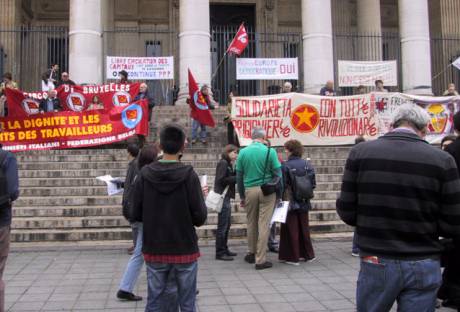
(28, 52)
(145, 41)
(443, 52)
(261, 45)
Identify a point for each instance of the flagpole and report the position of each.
(218, 65)
(441, 72)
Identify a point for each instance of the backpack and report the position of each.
(4, 195)
(301, 186)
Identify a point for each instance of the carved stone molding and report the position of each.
(270, 5)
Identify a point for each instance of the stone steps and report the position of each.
(124, 233)
(61, 201)
(60, 222)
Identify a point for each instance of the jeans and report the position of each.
(223, 227)
(195, 126)
(413, 284)
(135, 231)
(158, 275)
(354, 246)
(134, 266)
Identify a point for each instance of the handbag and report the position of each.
(215, 201)
(271, 186)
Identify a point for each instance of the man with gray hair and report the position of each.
(401, 194)
(256, 165)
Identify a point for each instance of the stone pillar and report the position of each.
(415, 44)
(318, 60)
(10, 19)
(85, 46)
(194, 44)
(369, 26)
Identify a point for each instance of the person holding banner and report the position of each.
(51, 103)
(196, 125)
(328, 89)
(451, 91)
(379, 86)
(144, 94)
(95, 103)
(7, 83)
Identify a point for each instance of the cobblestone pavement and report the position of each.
(76, 280)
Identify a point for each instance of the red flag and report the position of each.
(240, 41)
(198, 104)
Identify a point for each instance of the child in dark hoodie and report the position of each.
(170, 203)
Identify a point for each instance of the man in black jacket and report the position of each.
(401, 194)
(169, 201)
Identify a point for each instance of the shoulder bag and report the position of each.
(271, 186)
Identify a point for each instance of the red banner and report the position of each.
(70, 129)
(72, 98)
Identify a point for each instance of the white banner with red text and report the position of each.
(311, 119)
(267, 68)
(319, 120)
(141, 68)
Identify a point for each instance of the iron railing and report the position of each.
(27, 52)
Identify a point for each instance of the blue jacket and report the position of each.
(10, 169)
(298, 164)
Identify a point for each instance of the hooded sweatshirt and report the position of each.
(169, 201)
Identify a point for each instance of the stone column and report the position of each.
(85, 46)
(194, 44)
(369, 26)
(318, 60)
(10, 19)
(415, 44)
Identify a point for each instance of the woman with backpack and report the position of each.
(299, 181)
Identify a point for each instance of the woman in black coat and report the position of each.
(225, 179)
(295, 241)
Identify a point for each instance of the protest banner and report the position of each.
(72, 98)
(70, 129)
(354, 73)
(311, 119)
(141, 68)
(440, 109)
(267, 68)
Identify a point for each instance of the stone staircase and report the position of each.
(61, 201)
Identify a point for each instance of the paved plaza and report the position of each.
(87, 280)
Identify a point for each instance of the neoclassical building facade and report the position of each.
(423, 35)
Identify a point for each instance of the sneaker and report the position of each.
(312, 259)
(274, 249)
(193, 141)
(355, 254)
(250, 258)
(231, 253)
(127, 296)
(291, 263)
(224, 258)
(204, 142)
(131, 250)
(263, 266)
